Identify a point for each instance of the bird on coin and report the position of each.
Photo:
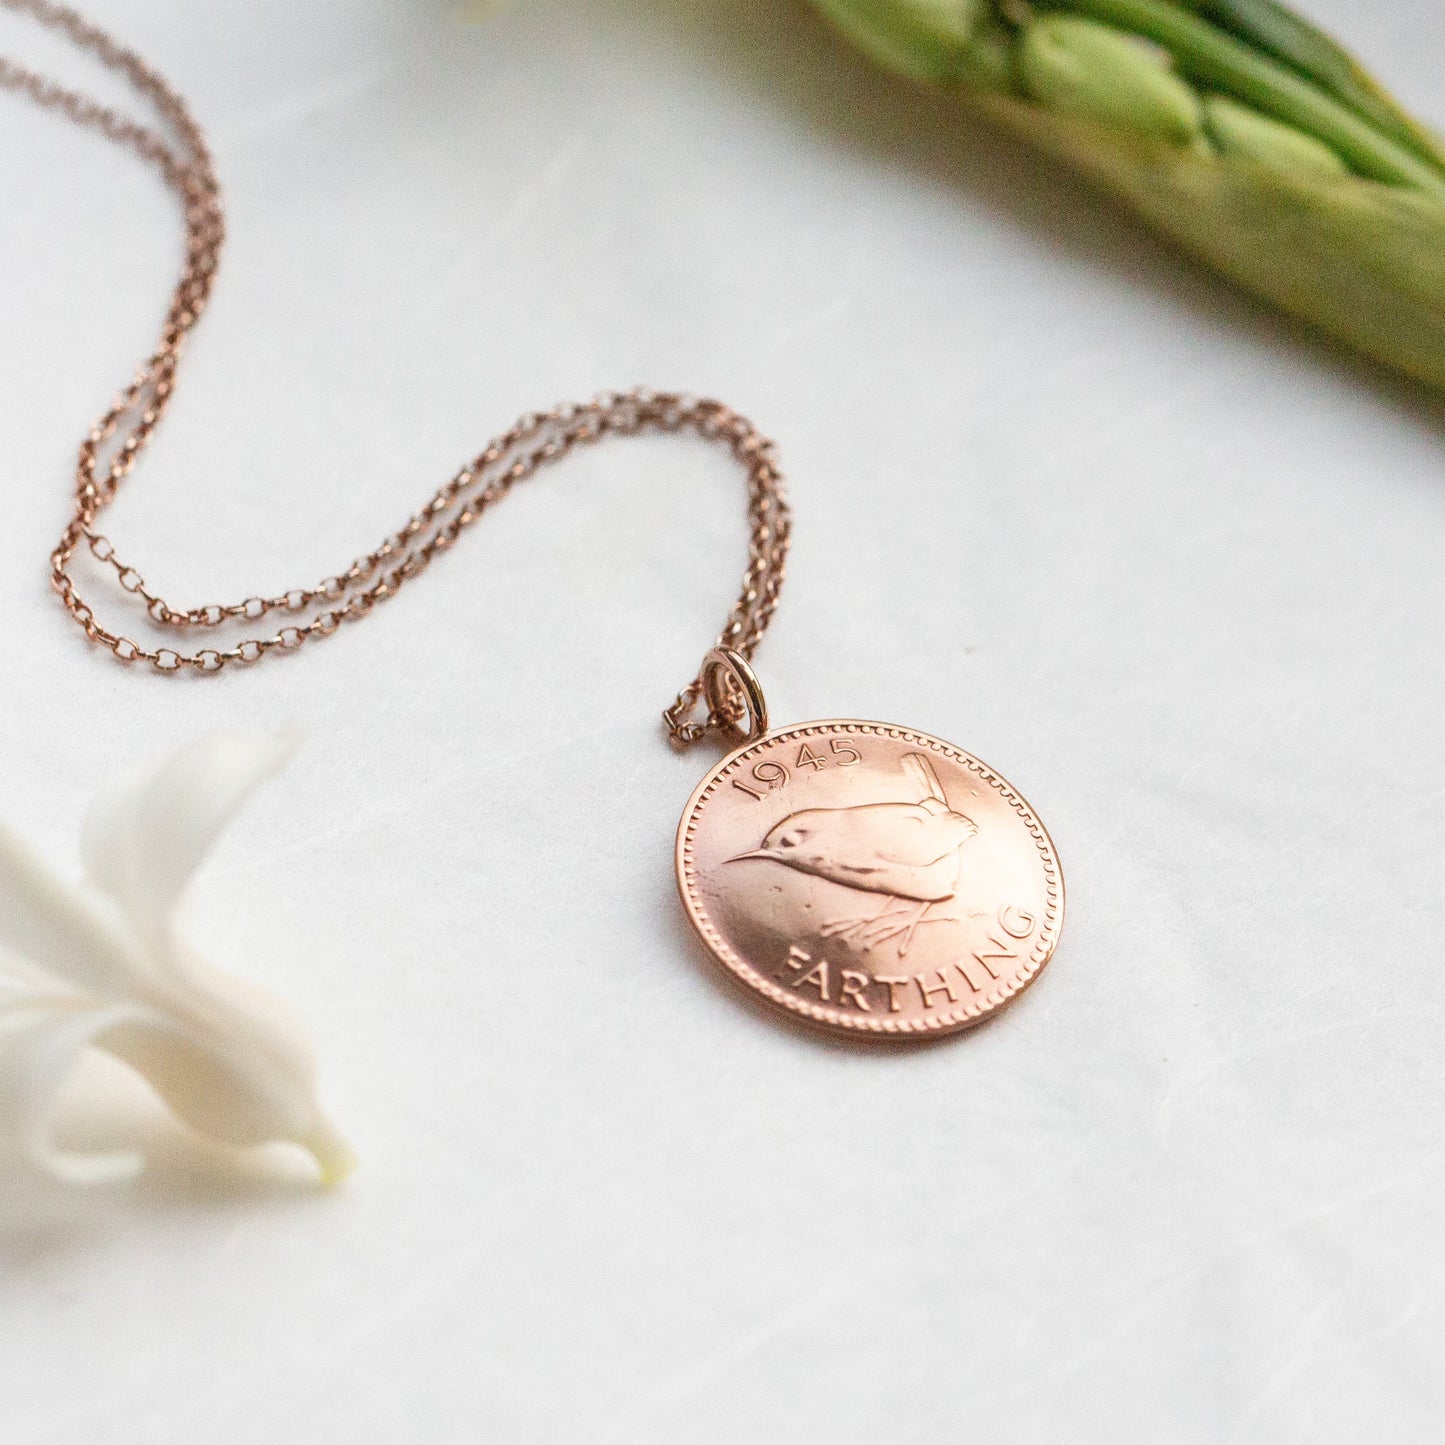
(908, 851)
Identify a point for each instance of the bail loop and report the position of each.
(734, 696)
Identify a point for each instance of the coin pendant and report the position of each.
(869, 879)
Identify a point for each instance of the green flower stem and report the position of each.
(1212, 58)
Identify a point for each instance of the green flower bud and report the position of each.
(1236, 130)
(1085, 69)
(927, 39)
(1309, 52)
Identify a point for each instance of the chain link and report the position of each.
(109, 451)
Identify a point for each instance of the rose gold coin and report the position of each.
(869, 878)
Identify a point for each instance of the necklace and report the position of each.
(860, 876)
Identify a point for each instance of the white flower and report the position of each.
(101, 966)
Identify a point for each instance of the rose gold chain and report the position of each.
(109, 452)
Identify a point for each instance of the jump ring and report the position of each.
(727, 680)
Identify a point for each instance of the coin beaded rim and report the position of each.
(830, 1016)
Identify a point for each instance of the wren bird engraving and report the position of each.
(907, 851)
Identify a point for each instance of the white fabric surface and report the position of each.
(1171, 565)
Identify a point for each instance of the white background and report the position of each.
(1169, 563)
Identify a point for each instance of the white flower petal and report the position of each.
(331, 1149)
(54, 927)
(101, 967)
(40, 1042)
(20, 980)
(232, 1062)
(143, 840)
(224, 1082)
